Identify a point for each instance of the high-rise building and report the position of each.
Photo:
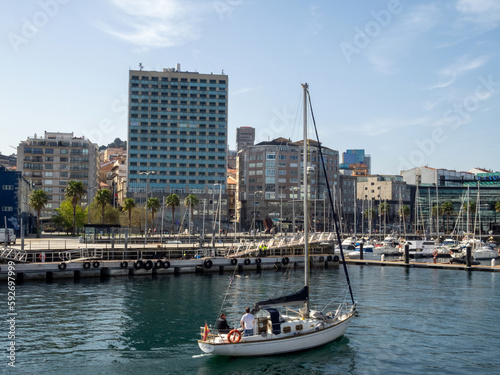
(49, 162)
(270, 185)
(356, 163)
(177, 134)
(245, 136)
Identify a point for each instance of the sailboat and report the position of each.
(278, 328)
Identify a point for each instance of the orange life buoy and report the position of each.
(234, 336)
(42, 257)
(435, 253)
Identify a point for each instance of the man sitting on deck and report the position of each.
(222, 326)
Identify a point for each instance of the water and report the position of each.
(411, 321)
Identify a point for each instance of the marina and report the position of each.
(411, 321)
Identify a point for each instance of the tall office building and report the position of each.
(245, 136)
(49, 162)
(177, 132)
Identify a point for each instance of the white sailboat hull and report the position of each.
(263, 345)
(485, 253)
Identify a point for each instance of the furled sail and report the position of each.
(291, 299)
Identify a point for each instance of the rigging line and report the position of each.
(334, 214)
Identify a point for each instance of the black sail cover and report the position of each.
(291, 299)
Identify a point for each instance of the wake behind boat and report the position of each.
(278, 328)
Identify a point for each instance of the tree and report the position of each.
(383, 209)
(497, 206)
(74, 192)
(38, 199)
(153, 204)
(436, 212)
(191, 200)
(128, 206)
(102, 198)
(404, 212)
(447, 209)
(370, 215)
(63, 216)
(172, 201)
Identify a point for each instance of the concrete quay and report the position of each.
(94, 267)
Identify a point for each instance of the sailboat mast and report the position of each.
(306, 208)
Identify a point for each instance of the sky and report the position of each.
(413, 83)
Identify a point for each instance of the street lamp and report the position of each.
(254, 212)
(281, 209)
(147, 173)
(293, 189)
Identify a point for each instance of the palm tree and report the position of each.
(102, 198)
(383, 209)
(191, 200)
(404, 212)
(447, 209)
(172, 201)
(128, 205)
(436, 212)
(370, 215)
(153, 204)
(74, 192)
(470, 207)
(38, 199)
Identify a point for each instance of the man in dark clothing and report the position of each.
(222, 325)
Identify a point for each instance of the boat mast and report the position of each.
(305, 87)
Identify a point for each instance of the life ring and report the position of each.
(208, 263)
(138, 265)
(435, 253)
(336, 258)
(234, 261)
(148, 265)
(246, 261)
(166, 264)
(234, 336)
(42, 257)
(62, 266)
(329, 258)
(86, 265)
(96, 264)
(258, 260)
(321, 259)
(124, 264)
(285, 260)
(159, 263)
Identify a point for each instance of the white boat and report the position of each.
(445, 248)
(387, 247)
(485, 252)
(420, 248)
(277, 332)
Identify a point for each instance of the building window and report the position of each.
(7, 187)
(7, 208)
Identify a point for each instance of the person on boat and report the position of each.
(222, 326)
(247, 322)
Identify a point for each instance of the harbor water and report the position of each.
(411, 321)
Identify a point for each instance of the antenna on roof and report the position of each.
(140, 66)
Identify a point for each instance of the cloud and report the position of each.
(244, 90)
(462, 65)
(485, 13)
(398, 38)
(156, 23)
